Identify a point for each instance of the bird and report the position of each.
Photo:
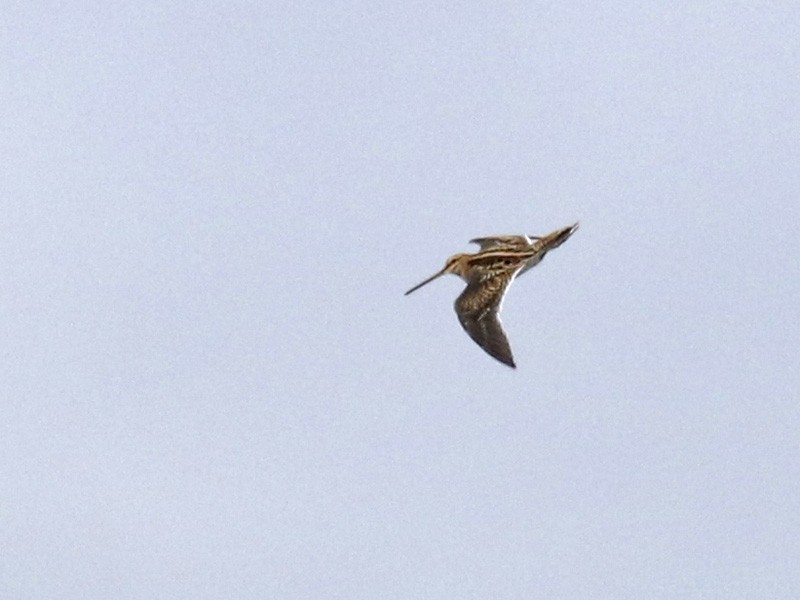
(488, 274)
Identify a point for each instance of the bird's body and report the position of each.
(488, 274)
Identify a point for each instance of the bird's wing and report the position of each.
(508, 241)
(478, 309)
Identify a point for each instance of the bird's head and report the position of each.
(455, 264)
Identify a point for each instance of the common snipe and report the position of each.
(488, 274)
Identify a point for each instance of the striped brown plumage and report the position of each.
(488, 274)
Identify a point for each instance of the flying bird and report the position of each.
(488, 274)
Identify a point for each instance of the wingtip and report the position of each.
(506, 360)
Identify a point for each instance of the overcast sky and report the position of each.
(213, 386)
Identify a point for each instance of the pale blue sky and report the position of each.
(215, 388)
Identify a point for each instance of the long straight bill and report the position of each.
(428, 280)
